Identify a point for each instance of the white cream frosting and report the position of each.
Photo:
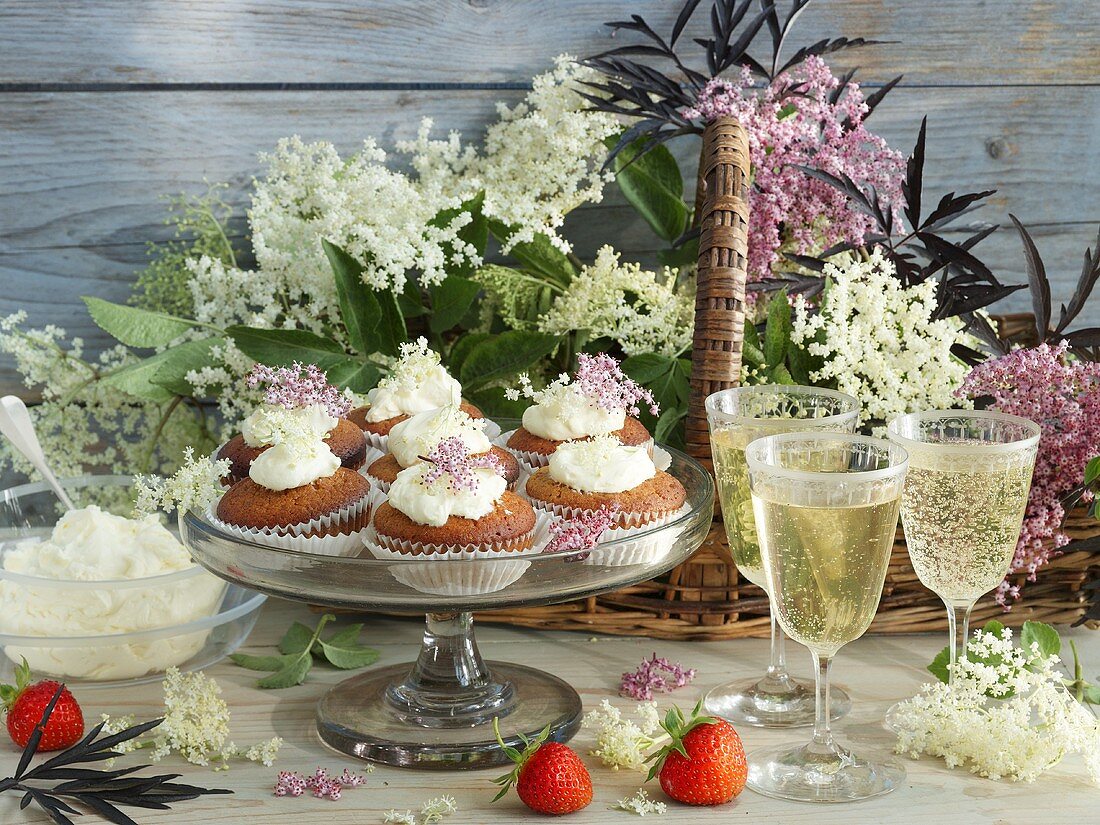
(90, 545)
(293, 465)
(433, 504)
(601, 465)
(567, 415)
(418, 435)
(435, 388)
(258, 431)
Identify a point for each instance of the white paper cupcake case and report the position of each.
(293, 536)
(532, 461)
(446, 573)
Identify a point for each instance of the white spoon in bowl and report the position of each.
(15, 423)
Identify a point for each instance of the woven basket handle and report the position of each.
(723, 266)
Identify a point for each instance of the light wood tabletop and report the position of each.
(876, 670)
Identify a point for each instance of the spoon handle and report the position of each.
(15, 423)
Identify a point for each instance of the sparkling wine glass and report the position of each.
(963, 503)
(736, 417)
(826, 508)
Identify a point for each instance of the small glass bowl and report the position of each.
(187, 619)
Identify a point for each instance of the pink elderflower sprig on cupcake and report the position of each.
(292, 783)
(581, 533)
(599, 380)
(450, 457)
(655, 675)
(298, 386)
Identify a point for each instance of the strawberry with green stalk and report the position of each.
(25, 704)
(704, 764)
(548, 776)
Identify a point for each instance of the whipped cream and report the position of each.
(289, 465)
(566, 414)
(418, 435)
(435, 388)
(86, 546)
(602, 465)
(433, 504)
(260, 430)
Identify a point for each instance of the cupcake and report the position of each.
(302, 392)
(412, 439)
(600, 400)
(417, 383)
(297, 495)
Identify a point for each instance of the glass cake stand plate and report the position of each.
(437, 712)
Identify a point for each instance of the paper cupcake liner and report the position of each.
(379, 442)
(297, 536)
(446, 571)
(373, 454)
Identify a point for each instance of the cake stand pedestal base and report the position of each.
(438, 712)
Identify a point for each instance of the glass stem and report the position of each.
(823, 735)
(777, 668)
(958, 624)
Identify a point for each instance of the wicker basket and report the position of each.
(704, 598)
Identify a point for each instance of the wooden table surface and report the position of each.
(876, 670)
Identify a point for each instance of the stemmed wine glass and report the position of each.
(826, 508)
(963, 503)
(736, 417)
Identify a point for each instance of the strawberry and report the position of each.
(26, 703)
(549, 777)
(705, 762)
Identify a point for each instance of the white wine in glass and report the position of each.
(736, 417)
(826, 508)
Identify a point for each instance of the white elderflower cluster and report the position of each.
(879, 341)
(640, 804)
(623, 742)
(415, 364)
(1007, 714)
(621, 301)
(432, 811)
(195, 485)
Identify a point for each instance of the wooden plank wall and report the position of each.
(106, 106)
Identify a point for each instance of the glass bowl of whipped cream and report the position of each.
(95, 595)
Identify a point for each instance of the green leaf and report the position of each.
(411, 301)
(281, 347)
(654, 186)
(781, 375)
(538, 256)
(504, 355)
(261, 662)
(392, 331)
(136, 327)
(450, 300)
(462, 348)
(777, 335)
(297, 639)
(799, 362)
(137, 379)
(1043, 635)
(182, 359)
(293, 673)
(494, 404)
(647, 367)
(1091, 694)
(344, 651)
(359, 309)
(1092, 471)
(356, 375)
(687, 254)
(751, 351)
(938, 667)
(666, 423)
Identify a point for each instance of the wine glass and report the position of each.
(736, 417)
(826, 508)
(963, 503)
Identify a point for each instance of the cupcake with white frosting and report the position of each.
(414, 438)
(417, 383)
(599, 400)
(301, 391)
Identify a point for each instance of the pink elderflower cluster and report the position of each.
(291, 783)
(451, 457)
(655, 675)
(1062, 395)
(600, 378)
(793, 122)
(298, 386)
(581, 533)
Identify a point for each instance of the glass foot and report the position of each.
(771, 702)
(889, 721)
(362, 717)
(819, 773)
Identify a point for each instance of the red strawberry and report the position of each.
(705, 762)
(26, 703)
(549, 777)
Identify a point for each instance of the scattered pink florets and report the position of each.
(451, 457)
(299, 386)
(320, 783)
(600, 378)
(1063, 397)
(655, 675)
(792, 122)
(581, 533)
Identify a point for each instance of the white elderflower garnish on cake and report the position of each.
(195, 485)
(414, 366)
(622, 742)
(449, 422)
(640, 804)
(599, 382)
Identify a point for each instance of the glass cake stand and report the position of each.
(437, 712)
